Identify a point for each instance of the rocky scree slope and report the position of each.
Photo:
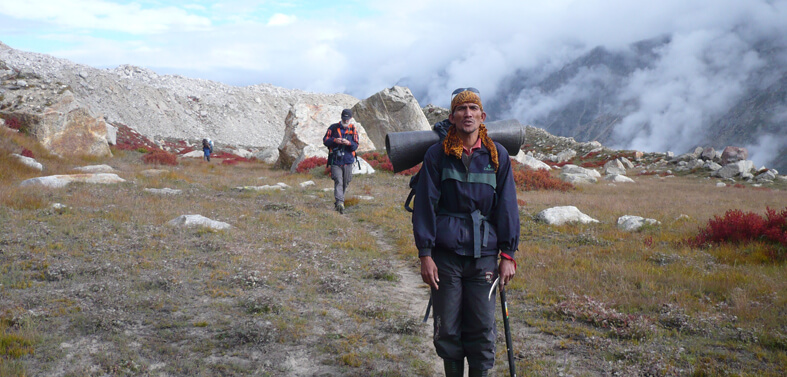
(157, 106)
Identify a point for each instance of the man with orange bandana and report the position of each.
(466, 216)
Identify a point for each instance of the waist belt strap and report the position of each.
(478, 220)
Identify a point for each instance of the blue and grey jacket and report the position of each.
(471, 211)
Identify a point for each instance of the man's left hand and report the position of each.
(507, 269)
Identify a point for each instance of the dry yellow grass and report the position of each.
(291, 275)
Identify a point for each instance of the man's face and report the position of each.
(467, 117)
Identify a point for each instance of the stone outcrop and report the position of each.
(95, 169)
(157, 106)
(362, 167)
(530, 161)
(29, 162)
(163, 191)
(631, 223)
(267, 155)
(69, 128)
(578, 175)
(198, 220)
(390, 110)
(739, 168)
(618, 178)
(57, 181)
(563, 215)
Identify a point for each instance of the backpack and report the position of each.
(442, 130)
(331, 154)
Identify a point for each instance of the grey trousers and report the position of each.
(464, 319)
(341, 175)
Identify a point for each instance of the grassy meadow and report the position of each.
(103, 286)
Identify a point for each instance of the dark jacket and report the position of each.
(447, 191)
(341, 154)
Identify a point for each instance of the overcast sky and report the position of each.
(433, 46)
(357, 47)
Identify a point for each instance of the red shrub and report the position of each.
(13, 123)
(27, 153)
(130, 140)
(530, 180)
(310, 163)
(410, 171)
(160, 157)
(738, 227)
(593, 164)
(20, 122)
(380, 161)
(229, 158)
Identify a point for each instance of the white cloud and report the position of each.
(767, 149)
(105, 16)
(279, 19)
(697, 78)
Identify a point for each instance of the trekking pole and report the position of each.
(509, 349)
(428, 307)
(506, 326)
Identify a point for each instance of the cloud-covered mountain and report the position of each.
(671, 93)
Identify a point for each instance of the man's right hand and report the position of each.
(429, 272)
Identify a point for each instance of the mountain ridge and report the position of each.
(592, 97)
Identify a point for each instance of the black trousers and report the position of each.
(464, 319)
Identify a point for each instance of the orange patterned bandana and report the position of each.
(452, 144)
(465, 97)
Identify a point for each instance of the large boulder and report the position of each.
(57, 181)
(362, 167)
(563, 215)
(735, 169)
(29, 162)
(530, 161)
(390, 110)
(267, 155)
(189, 221)
(578, 175)
(69, 128)
(733, 154)
(306, 125)
(631, 223)
(574, 169)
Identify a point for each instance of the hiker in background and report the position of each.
(342, 141)
(465, 216)
(207, 148)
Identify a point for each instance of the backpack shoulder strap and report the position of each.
(414, 182)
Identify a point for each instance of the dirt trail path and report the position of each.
(411, 294)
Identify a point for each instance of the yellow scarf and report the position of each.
(453, 146)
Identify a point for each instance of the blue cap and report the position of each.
(347, 114)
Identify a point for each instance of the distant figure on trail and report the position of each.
(465, 214)
(342, 141)
(207, 148)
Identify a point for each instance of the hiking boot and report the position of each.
(340, 208)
